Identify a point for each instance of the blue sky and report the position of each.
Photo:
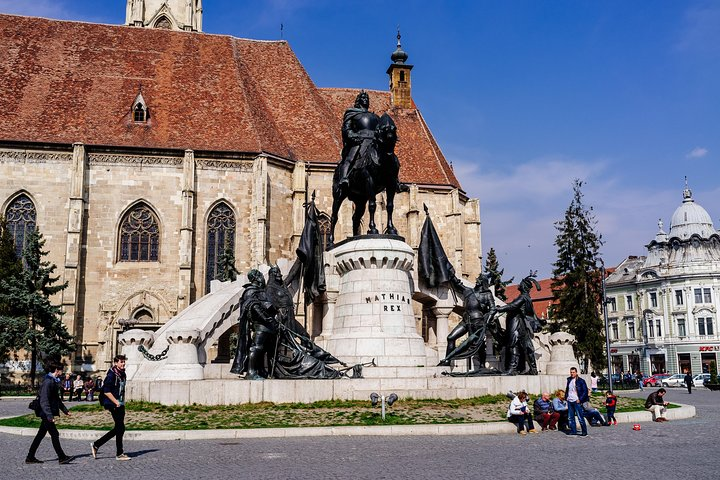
(523, 96)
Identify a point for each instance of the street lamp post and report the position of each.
(607, 327)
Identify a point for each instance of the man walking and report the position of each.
(688, 381)
(113, 400)
(49, 409)
(577, 394)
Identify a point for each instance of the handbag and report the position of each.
(35, 404)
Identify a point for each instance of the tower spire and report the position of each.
(399, 72)
(687, 193)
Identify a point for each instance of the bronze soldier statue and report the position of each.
(476, 321)
(255, 353)
(522, 324)
(358, 134)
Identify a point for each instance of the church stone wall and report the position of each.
(280, 214)
(45, 177)
(232, 182)
(112, 289)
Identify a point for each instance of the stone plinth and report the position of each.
(373, 316)
(229, 390)
(129, 342)
(182, 358)
(562, 356)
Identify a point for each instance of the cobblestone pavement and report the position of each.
(674, 450)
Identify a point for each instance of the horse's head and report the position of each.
(386, 133)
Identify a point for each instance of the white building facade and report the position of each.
(663, 307)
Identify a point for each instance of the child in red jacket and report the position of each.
(610, 405)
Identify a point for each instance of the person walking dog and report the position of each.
(113, 400)
(48, 409)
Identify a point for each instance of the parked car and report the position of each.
(677, 380)
(656, 380)
(700, 379)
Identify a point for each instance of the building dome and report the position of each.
(690, 219)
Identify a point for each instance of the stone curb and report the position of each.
(491, 428)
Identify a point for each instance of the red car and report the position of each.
(656, 380)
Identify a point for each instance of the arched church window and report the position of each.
(139, 235)
(164, 23)
(402, 76)
(220, 241)
(21, 220)
(323, 221)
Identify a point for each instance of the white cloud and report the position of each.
(701, 30)
(520, 204)
(697, 152)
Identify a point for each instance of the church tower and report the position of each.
(399, 73)
(167, 14)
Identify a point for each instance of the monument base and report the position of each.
(231, 390)
(373, 315)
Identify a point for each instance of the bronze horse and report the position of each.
(374, 171)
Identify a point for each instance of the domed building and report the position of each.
(663, 306)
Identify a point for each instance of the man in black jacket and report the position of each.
(688, 381)
(50, 407)
(113, 399)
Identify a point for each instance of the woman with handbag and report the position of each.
(48, 407)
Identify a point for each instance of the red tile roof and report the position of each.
(66, 82)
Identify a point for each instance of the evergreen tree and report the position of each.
(28, 296)
(12, 323)
(495, 273)
(577, 282)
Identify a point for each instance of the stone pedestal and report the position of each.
(562, 356)
(129, 342)
(373, 316)
(182, 358)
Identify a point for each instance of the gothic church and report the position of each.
(141, 150)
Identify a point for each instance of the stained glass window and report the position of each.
(220, 235)
(139, 235)
(21, 221)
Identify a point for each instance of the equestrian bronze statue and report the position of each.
(368, 166)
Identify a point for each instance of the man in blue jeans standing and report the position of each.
(577, 394)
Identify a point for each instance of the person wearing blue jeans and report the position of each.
(577, 394)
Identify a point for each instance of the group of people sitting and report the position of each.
(552, 413)
(80, 389)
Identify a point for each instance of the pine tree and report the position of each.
(12, 323)
(577, 282)
(28, 296)
(495, 273)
